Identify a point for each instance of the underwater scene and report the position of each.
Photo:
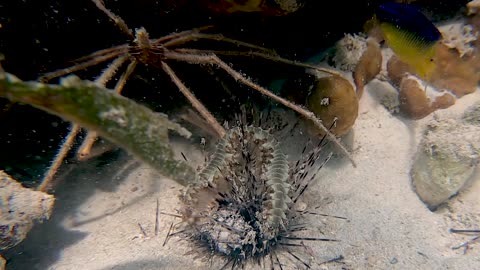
(239, 134)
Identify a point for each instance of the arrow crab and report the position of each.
(157, 53)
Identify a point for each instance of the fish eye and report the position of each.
(431, 59)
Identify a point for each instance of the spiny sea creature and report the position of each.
(245, 207)
(156, 53)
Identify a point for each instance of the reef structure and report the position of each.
(455, 68)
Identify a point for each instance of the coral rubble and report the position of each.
(446, 158)
(348, 51)
(19, 209)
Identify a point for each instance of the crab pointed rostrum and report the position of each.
(243, 208)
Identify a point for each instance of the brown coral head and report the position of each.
(415, 103)
(397, 70)
(333, 99)
(455, 73)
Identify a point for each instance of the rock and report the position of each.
(19, 208)
(445, 160)
(333, 98)
(472, 115)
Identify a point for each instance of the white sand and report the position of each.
(96, 221)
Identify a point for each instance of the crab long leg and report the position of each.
(214, 60)
(194, 101)
(194, 36)
(84, 150)
(67, 144)
(118, 21)
(120, 49)
(111, 70)
(268, 56)
(181, 34)
(59, 157)
(94, 61)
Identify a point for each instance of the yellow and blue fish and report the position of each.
(411, 36)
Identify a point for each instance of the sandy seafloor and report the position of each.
(101, 204)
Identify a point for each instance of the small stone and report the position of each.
(301, 206)
(393, 260)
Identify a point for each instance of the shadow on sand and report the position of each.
(45, 242)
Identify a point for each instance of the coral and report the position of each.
(415, 103)
(455, 73)
(473, 7)
(397, 70)
(457, 69)
(348, 51)
(368, 66)
(289, 6)
(460, 37)
(333, 100)
(452, 73)
(20, 208)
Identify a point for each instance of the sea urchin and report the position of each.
(244, 208)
